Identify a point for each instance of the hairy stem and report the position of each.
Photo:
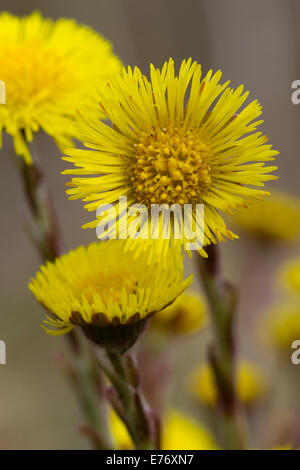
(130, 404)
(222, 301)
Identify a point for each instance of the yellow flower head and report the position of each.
(99, 286)
(174, 139)
(250, 384)
(290, 274)
(180, 432)
(283, 447)
(283, 322)
(50, 68)
(186, 315)
(277, 218)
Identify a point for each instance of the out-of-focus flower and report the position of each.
(51, 69)
(250, 384)
(276, 218)
(175, 139)
(283, 322)
(283, 447)
(290, 274)
(105, 291)
(186, 315)
(183, 433)
(203, 386)
(180, 432)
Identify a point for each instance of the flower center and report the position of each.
(31, 72)
(170, 165)
(107, 286)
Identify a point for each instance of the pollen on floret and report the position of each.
(174, 164)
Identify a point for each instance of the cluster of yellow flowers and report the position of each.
(180, 138)
(175, 139)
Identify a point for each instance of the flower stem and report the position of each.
(89, 388)
(44, 229)
(46, 236)
(222, 300)
(130, 404)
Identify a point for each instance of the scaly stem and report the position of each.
(129, 402)
(222, 300)
(45, 234)
(89, 387)
(44, 226)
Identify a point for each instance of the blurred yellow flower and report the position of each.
(250, 383)
(290, 274)
(186, 315)
(120, 435)
(283, 322)
(202, 385)
(183, 433)
(99, 285)
(51, 69)
(283, 447)
(180, 432)
(276, 218)
(175, 139)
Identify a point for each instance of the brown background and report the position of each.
(254, 42)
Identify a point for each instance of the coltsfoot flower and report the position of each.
(283, 323)
(284, 447)
(180, 432)
(51, 69)
(186, 315)
(290, 274)
(250, 384)
(174, 139)
(277, 218)
(282, 320)
(107, 293)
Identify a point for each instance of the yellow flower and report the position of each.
(99, 286)
(283, 447)
(290, 274)
(250, 384)
(173, 140)
(186, 315)
(203, 386)
(276, 218)
(180, 432)
(50, 68)
(120, 435)
(283, 323)
(183, 433)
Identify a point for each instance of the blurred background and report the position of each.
(253, 42)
